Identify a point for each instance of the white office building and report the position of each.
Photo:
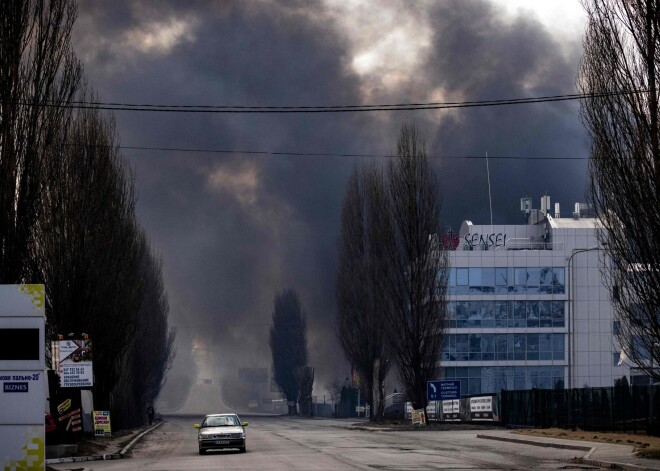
(527, 305)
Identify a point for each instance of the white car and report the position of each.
(219, 431)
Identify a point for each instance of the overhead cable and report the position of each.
(326, 154)
(110, 106)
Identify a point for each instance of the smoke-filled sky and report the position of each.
(234, 228)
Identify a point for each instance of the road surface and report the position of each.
(282, 443)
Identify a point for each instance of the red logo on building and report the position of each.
(450, 240)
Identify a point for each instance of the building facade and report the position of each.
(528, 307)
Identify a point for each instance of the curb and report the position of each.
(612, 465)
(564, 446)
(133, 442)
(585, 460)
(368, 429)
(110, 456)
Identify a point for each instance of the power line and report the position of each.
(330, 154)
(324, 154)
(228, 109)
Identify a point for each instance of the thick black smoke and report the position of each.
(233, 229)
(478, 55)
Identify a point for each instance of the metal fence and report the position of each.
(632, 409)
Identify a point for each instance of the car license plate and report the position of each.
(222, 442)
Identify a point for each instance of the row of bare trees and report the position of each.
(67, 208)
(392, 273)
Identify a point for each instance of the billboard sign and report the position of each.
(451, 410)
(74, 362)
(481, 408)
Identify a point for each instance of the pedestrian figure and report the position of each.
(150, 414)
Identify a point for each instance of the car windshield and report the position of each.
(221, 421)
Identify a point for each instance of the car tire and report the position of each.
(202, 451)
(242, 449)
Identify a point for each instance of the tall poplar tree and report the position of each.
(288, 345)
(361, 317)
(414, 272)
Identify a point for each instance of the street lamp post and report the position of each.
(571, 314)
(571, 327)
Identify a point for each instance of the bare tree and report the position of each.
(288, 344)
(67, 205)
(90, 247)
(622, 56)
(360, 303)
(414, 272)
(39, 76)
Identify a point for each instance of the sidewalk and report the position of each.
(604, 455)
(115, 447)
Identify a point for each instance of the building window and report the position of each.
(492, 379)
(545, 346)
(533, 280)
(461, 314)
(545, 313)
(475, 280)
(462, 281)
(558, 280)
(500, 313)
(488, 347)
(488, 280)
(466, 314)
(502, 280)
(532, 309)
(501, 283)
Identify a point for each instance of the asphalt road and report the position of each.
(281, 443)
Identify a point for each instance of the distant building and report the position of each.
(528, 307)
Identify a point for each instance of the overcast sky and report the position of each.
(235, 228)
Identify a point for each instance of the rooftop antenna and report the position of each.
(490, 200)
(526, 208)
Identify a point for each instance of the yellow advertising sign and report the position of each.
(101, 419)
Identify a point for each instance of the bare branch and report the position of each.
(621, 52)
